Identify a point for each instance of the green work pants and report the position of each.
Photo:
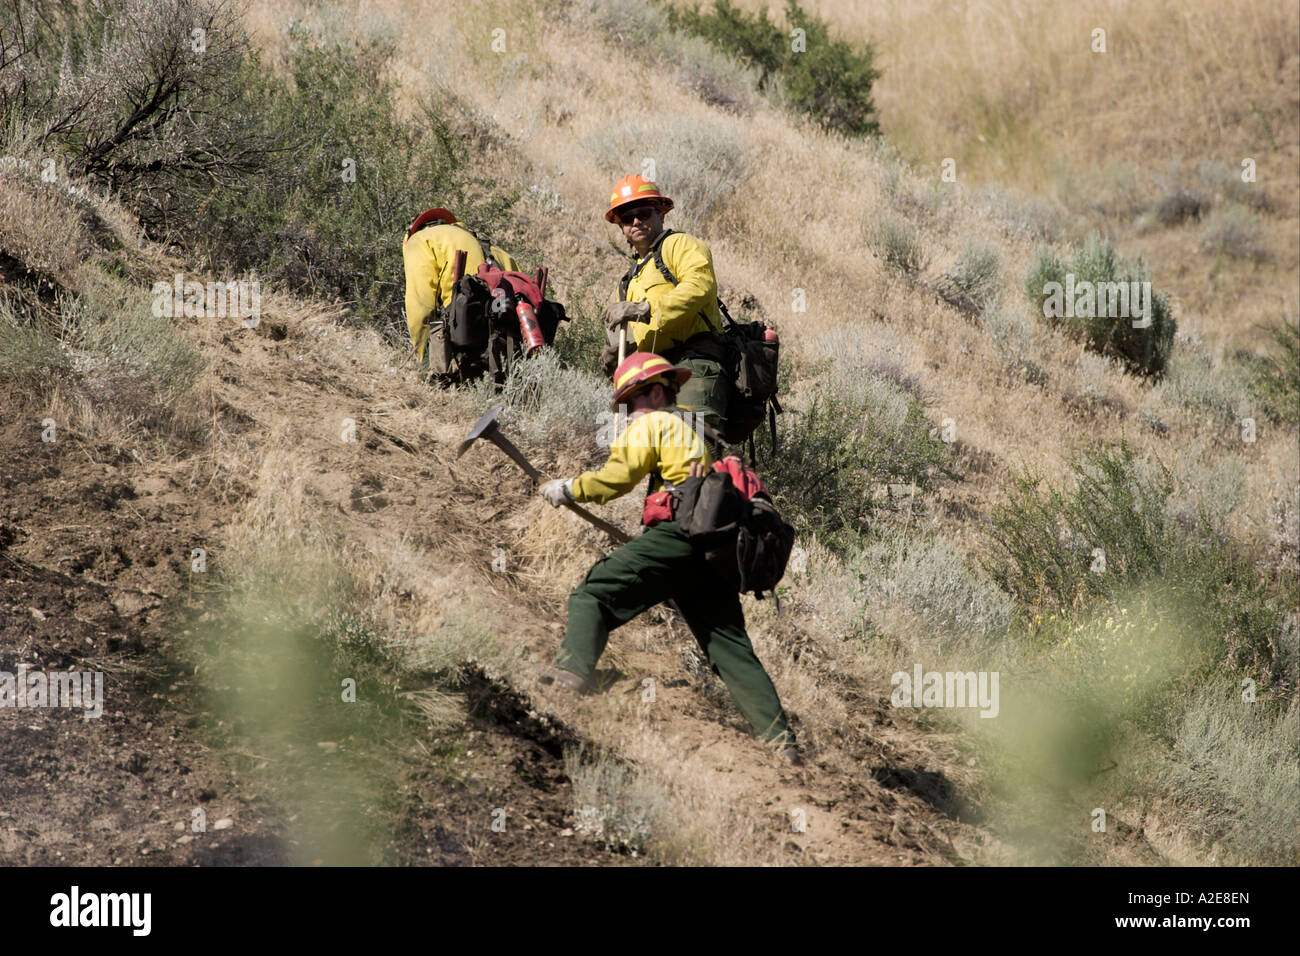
(655, 566)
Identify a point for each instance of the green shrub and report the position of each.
(1117, 529)
(1278, 385)
(1144, 350)
(827, 79)
(856, 431)
(300, 218)
(580, 341)
(1048, 539)
(307, 179)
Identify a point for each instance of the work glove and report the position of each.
(557, 491)
(620, 312)
(609, 359)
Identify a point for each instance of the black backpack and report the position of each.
(745, 352)
(753, 371)
(744, 539)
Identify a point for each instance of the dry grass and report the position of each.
(785, 224)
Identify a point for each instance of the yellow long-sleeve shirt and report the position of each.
(429, 260)
(658, 442)
(675, 309)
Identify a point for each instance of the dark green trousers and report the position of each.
(655, 566)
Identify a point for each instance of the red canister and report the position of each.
(529, 327)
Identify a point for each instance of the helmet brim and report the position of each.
(676, 373)
(665, 204)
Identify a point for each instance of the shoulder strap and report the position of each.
(655, 253)
(658, 252)
(484, 244)
(712, 438)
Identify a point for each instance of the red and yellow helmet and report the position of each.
(635, 189)
(643, 369)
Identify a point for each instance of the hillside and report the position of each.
(343, 540)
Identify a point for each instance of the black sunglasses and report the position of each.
(625, 216)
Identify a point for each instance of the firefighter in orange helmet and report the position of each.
(668, 300)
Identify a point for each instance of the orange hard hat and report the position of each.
(430, 217)
(635, 189)
(644, 369)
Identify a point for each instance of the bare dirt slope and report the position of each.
(95, 573)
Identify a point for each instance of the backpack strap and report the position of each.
(484, 244)
(712, 440)
(657, 254)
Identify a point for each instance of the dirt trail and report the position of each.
(94, 566)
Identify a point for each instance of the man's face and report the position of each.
(656, 396)
(641, 223)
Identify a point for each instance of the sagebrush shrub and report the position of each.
(857, 431)
(1232, 231)
(1144, 349)
(898, 242)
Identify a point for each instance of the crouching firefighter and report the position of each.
(662, 563)
(468, 307)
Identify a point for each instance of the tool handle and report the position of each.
(507, 446)
(600, 523)
(622, 343)
(458, 269)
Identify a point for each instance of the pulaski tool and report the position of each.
(486, 427)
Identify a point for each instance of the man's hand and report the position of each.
(620, 312)
(609, 359)
(697, 469)
(557, 491)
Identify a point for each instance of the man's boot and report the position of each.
(567, 680)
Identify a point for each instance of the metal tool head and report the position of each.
(481, 427)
